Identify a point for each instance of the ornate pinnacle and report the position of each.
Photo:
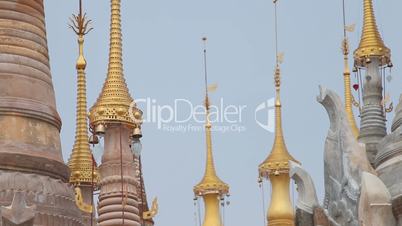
(210, 183)
(81, 162)
(371, 43)
(279, 157)
(114, 104)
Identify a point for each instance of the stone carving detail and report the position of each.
(375, 208)
(320, 218)
(18, 213)
(344, 161)
(307, 198)
(303, 218)
(53, 200)
(389, 161)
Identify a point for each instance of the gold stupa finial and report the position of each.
(211, 183)
(115, 104)
(371, 43)
(276, 168)
(279, 157)
(346, 77)
(81, 162)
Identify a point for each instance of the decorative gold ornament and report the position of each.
(371, 43)
(80, 202)
(148, 215)
(114, 104)
(390, 108)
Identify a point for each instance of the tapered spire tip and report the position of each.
(371, 43)
(210, 183)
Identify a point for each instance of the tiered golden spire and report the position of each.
(115, 104)
(346, 77)
(81, 162)
(371, 43)
(276, 167)
(211, 187)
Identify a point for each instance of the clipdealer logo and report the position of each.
(267, 110)
(184, 116)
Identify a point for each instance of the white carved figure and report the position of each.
(344, 161)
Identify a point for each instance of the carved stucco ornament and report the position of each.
(344, 162)
(375, 207)
(307, 198)
(18, 213)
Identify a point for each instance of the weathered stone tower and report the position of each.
(31, 165)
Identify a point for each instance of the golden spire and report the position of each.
(114, 104)
(348, 92)
(81, 161)
(210, 182)
(371, 43)
(279, 157)
(211, 188)
(346, 77)
(276, 167)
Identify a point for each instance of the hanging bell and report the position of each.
(354, 69)
(137, 133)
(390, 64)
(368, 60)
(93, 139)
(100, 130)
